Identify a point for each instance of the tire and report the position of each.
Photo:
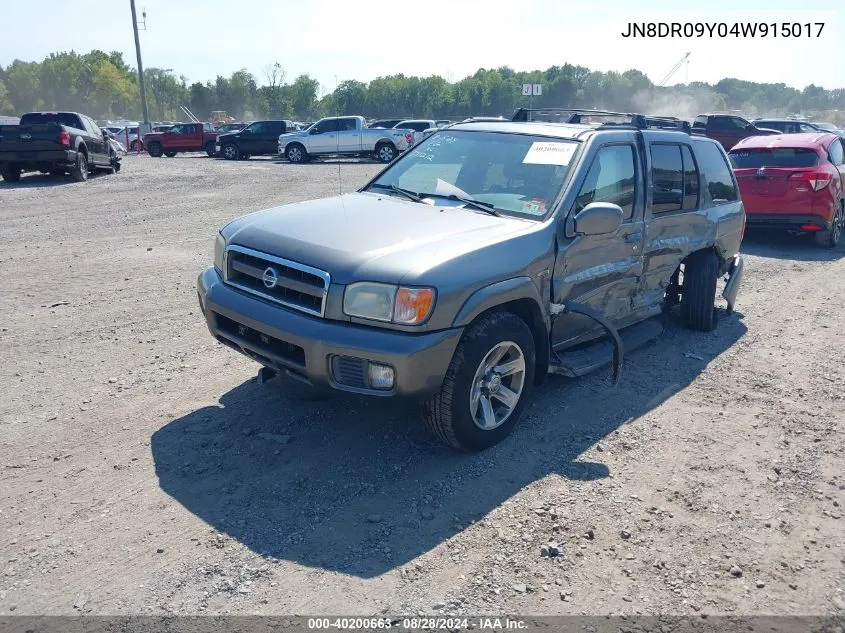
(209, 149)
(698, 293)
(385, 152)
(133, 146)
(10, 173)
(230, 152)
(170, 154)
(296, 153)
(831, 238)
(451, 415)
(155, 150)
(80, 171)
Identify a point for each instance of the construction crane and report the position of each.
(673, 70)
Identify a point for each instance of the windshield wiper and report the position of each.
(471, 202)
(411, 195)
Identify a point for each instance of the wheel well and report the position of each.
(529, 311)
(385, 141)
(83, 150)
(291, 144)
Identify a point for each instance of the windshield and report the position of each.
(515, 173)
(773, 157)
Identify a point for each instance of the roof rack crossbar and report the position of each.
(635, 121)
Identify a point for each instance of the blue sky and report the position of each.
(366, 38)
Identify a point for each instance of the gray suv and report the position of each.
(488, 256)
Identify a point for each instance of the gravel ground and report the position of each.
(145, 471)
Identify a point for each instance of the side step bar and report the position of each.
(584, 360)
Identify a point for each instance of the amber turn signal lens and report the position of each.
(413, 305)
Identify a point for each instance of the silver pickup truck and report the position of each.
(344, 136)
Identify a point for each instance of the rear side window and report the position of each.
(691, 179)
(754, 158)
(611, 179)
(348, 125)
(717, 174)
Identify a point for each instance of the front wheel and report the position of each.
(209, 149)
(830, 239)
(230, 152)
(296, 153)
(486, 386)
(385, 152)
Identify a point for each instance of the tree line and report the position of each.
(105, 86)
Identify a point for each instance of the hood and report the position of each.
(229, 135)
(371, 237)
(767, 131)
(293, 134)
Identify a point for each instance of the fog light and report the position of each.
(381, 376)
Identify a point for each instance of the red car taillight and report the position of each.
(64, 138)
(818, 180)
(409, 138)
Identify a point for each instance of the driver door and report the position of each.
(602, 271)
(323, 137)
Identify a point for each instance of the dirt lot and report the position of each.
(144, 470)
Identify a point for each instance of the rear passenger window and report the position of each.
(667, 175)
(611, 179)
(691, 180)
(717, 174)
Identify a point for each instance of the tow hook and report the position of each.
(557, 309)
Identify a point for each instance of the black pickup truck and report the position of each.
(55, 143)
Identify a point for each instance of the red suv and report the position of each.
(794, 182)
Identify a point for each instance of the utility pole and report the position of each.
(140, 65)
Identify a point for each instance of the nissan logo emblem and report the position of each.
(270, 277)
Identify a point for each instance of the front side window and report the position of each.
(514, 173)
(611, 178)
(667, 176)
(329, 125)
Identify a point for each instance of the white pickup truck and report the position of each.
(344, 136)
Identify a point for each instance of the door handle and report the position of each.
(633, 237)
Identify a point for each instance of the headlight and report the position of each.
(385, 302)
(219, 250)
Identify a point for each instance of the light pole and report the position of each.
(140, 65)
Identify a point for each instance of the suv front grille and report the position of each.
(289, 283)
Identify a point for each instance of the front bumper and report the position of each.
(304, 346)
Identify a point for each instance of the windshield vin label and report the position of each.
(549, 153)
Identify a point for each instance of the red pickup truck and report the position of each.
(183, 137)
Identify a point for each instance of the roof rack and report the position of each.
(577, 115)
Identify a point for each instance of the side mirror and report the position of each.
(598, 218)
(314, 131)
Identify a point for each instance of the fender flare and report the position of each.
(499, 293)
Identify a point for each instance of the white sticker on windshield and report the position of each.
(549, 153)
